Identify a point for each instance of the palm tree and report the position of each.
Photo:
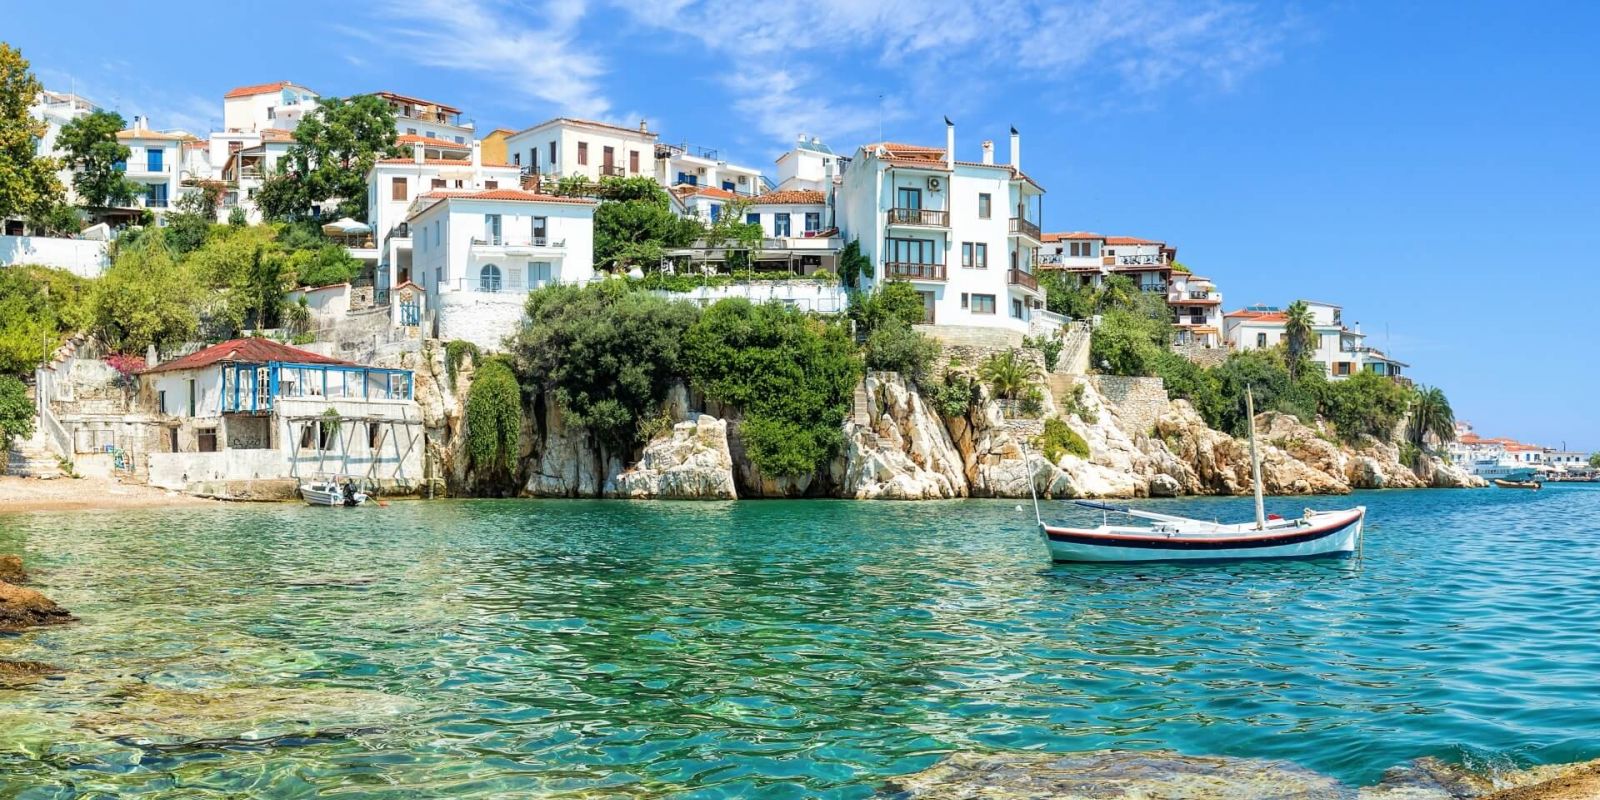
(1297, 334)
(1008, 374)
(1431, 414)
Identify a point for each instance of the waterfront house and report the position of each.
(1197, 310)
(964, 233)
(477, 253)
(258, 410)
(1341, 350)
(279, 105)
(692, 165)
(432, 124)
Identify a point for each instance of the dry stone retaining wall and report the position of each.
(1139, 402)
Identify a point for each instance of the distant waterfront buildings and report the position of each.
(1341, 350)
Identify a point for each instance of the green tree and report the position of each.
(39, 307)
(894, 347)
(28, 184)
(1009, 373)
(1116, 292)
(1298, 336)
(602, 353)
(146, 297)
(1259, 370)
(1065, 294)
(639, 228)
(16, 411)
(1594, 460)
(731, 233)
(324, 266)
(494, 422)
(283, 197)
(1366, 403)
(1431, 415)
(790, 375)
(98, 160)
(1186, 380)
(334, 148)
(190, 223)
(891, 301)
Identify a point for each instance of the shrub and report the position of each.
(39, 306)
(146, 298)
(604, 354)
(1126, 343)
(494, 421)
(893, 300)
(1032, 403)
(1008, 373)
(1365, 403)
(1049, 347)
(954, 396)
(1073, 403)
(895, 347)
(1189, 381)
(791, 376)
(16, 411)
(1059, 439)
(454, 352)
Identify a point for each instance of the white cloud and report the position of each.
(527, 51)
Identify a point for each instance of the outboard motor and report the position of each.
(349, 493)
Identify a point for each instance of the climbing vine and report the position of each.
(494, 421)
(454, 352)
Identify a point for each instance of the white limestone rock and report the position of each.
(690, 462)
(906, 453)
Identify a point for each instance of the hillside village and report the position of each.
(558, 310)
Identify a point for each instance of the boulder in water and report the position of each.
(162, 716)
(1110, 774)
(17, 673)
(11, 570)
(25, 608)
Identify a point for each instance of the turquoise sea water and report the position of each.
(776, 649)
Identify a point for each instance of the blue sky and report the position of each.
(1430, 166)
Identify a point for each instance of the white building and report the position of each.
(1342, 351)
(565, 147)
(281, 105)
(242, 161)
(1197, 310)
(428, 122)
(55, 110)
(155, 162)
(476, 254)
(691, 165)
(964, 233)
(395, 184)
(810, 166)
(253, 409)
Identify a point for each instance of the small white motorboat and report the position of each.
(1174, 538)
(331, 493)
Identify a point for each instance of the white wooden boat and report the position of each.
(331, 493)
(1174, 538)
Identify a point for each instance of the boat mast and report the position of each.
(1255, 459)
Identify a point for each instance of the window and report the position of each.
(325, 434)
(965, 299)
(1016, 308)
(541, 229)
(191, 397)
(975, 255)
(397, 189)
(491, 228)
(983, 304)
(583, 152)
(910, 251)
(727, 186)
(156, 195)
(716, 212)
(374, 437)
(780, 224)
(813, 221)
(307, 434)
(491, 184)
(161, 401)
(907, 197)
(172, 440)
(983, 205)
(152, 159)
(752, 219)
(460, 140)
(552, 154)
(1261, 340)
(411, 131)
(516, 159)
(633, 161)
(207, 439)
(539, 273)
(272, 112)
(489, 278)
(513, 278)
(430, 135)
(438, 183)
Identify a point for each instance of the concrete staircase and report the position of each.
(30, 458)
(1074, 358)
(861, 406)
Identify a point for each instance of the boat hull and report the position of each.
(318, 495)
(1534, 485)
(1328, 535)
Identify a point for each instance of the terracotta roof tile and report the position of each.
(1060, 237)
(508, 194)
(255, 350)
(591, 123)
(1130, 240)
(789, 197)
(430, 141)
(149, 134)
(259, 88)
(418, 101)
(454, 162)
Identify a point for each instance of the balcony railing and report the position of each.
(613, 172)
(1199, 295)
(514, 241)
(912, 270)
(1019, 278)
(1159, 288)
(1135, 260)
(919, 216)
(1025, 228)
(1050, 260)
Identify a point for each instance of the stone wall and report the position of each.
(1199, 354)
(483, 318)
(1137, 401)
(971, 345)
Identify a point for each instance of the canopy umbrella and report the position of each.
(346, 227)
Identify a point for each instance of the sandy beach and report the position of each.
(84, 494)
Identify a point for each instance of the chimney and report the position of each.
(477, 155)
(138, 122)
(949, 144)
(1016, 149)
(416, 152)
(988, 151)
(643, 128)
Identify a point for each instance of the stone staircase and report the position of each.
(861, 406)
(1074, 358)
(30, 458)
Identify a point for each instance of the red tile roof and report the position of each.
(706, 191)
(418, 101)
(1114, 240)
(429, 141)
(591, 123)
(789, 197)
(277, 135)
(451, 162)
(260, 88)
(149, 134)
(254, 350)
(1258, 316)
(1058, 237)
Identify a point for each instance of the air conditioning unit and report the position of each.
(934, 184)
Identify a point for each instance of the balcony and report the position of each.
(1137, 260)
(1022, 227)
(919, 216)
(515, 245)
(913, 271)
(1154, 288)
(1017, 277)
(613, 171)
(1199, 295)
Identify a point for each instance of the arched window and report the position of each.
(489, 278)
